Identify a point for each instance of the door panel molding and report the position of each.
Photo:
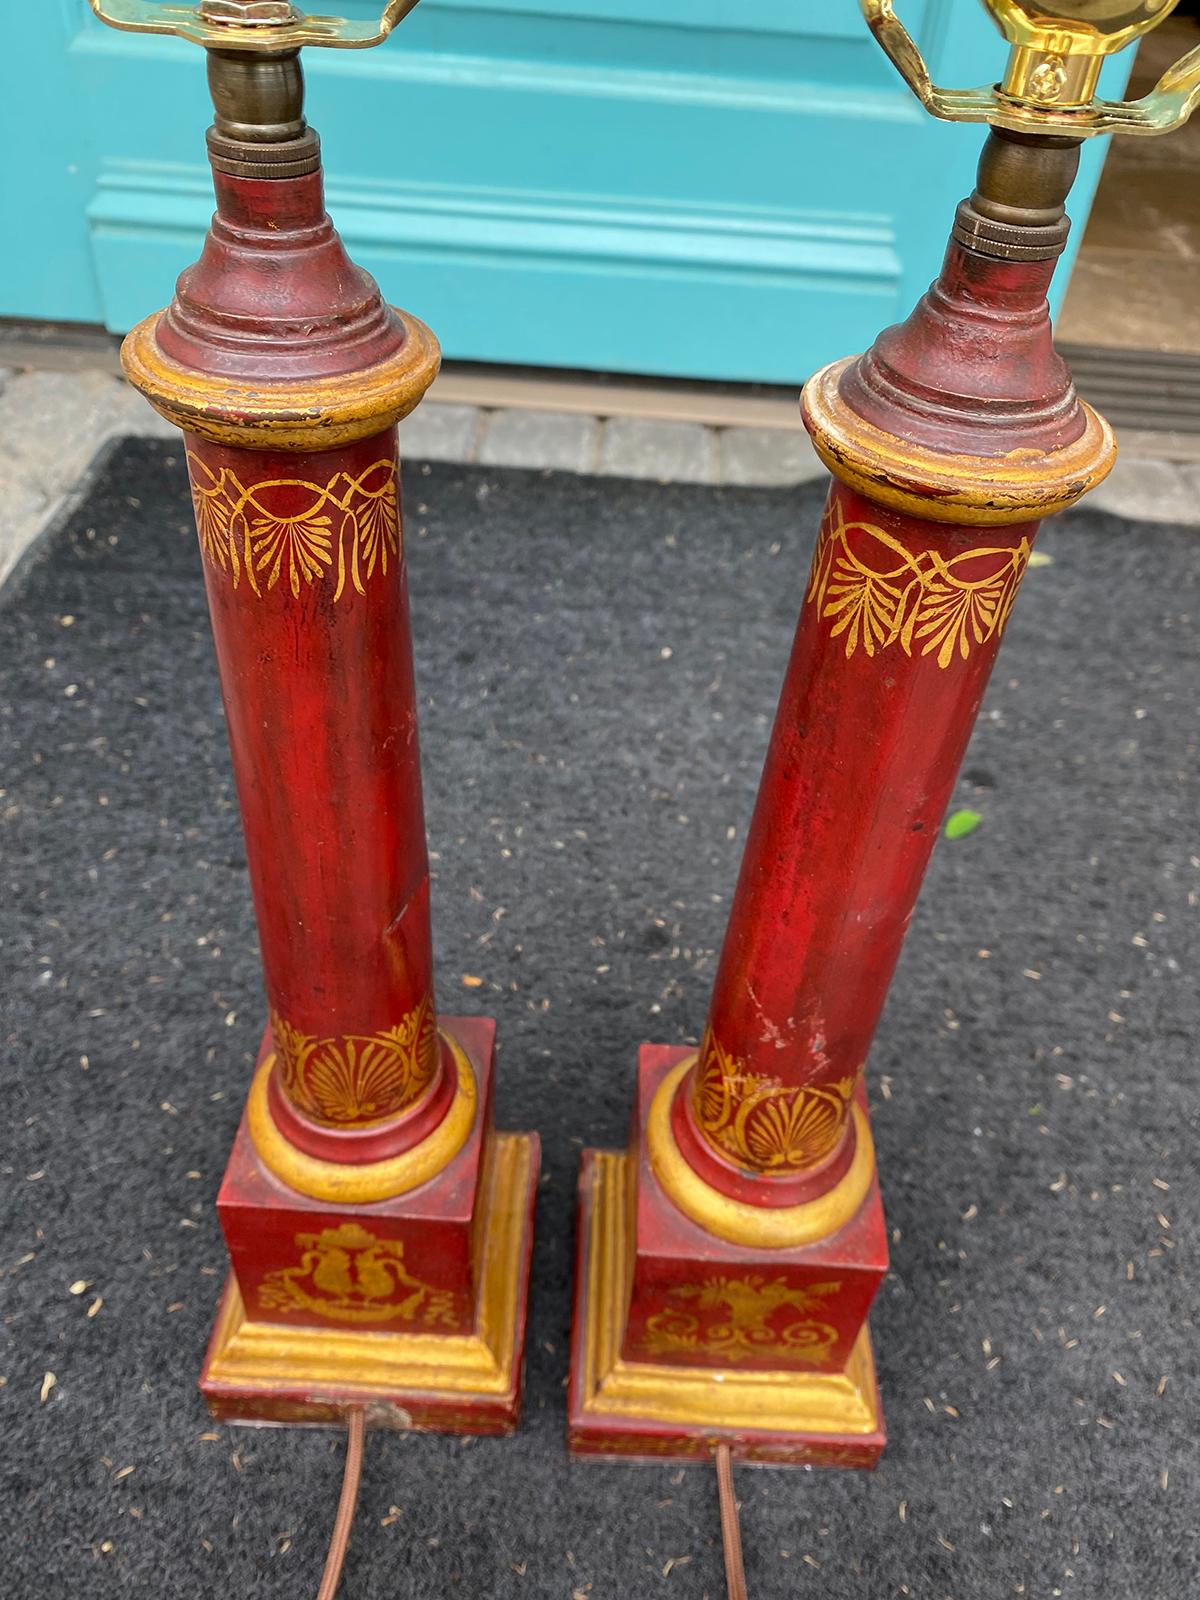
(803, 18)
(151, 195)
(711, 188)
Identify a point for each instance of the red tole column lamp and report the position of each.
(379, 1228)
(727, 1262)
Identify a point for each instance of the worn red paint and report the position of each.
(877, 708)
(973, 370)
(867, 743)
(274, 297)
(304, 569)
(315, 655)
(403, 1266)
(697, 1302)
(900, 624)
(426, 1285)
(771, 1310)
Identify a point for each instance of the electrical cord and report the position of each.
(339, 1541)
(731, 1531)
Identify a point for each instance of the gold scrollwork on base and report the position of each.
(349, 1275)
(280, 1371)
(748, 1321)
(661, 1407)
(763, 1124)
(359, 1078)
(348, 526)
(878, 593)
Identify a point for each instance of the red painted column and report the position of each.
(730, 1257)
(304, 567)
(379, 1228)
(902, 618)
(901, 623)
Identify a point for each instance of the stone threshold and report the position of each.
(55, 416)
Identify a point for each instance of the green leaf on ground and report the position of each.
(960, 823)
(1039, 558)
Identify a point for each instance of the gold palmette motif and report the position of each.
(761, 1123)
(348, 530)
(349, 1275)
(878, 593)
(749, 1321)
(358, 1078)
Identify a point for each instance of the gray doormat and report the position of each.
(598, 664)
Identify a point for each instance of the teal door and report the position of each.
(734, 189)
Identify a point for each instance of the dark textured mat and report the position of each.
(599, 662)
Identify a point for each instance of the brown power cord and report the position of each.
(339, 1543)
(731, 1531)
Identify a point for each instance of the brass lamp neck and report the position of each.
(260, 131)
(1018, 209)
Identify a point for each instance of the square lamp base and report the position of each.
(641, 1388)
(456, 1367)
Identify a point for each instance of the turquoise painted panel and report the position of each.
(49, 175)
(734, 189)
(730, 16)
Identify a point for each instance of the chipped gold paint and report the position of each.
(759, 1227)
(700, 1399)
(978, 491)
(359, 1183)
(325, 1363)
(317, 414)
